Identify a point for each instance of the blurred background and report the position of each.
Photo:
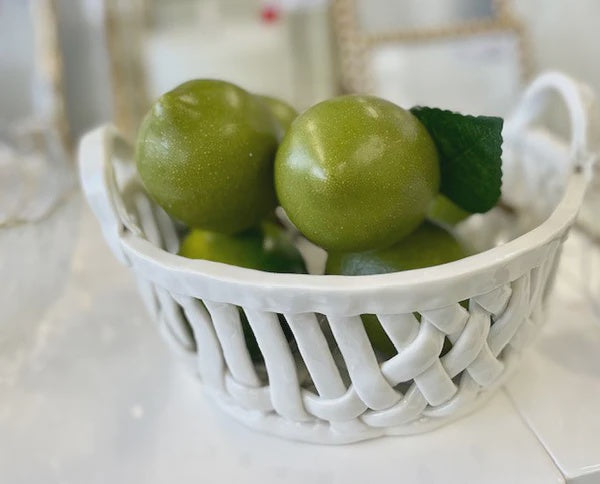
(67, 66)
(109, 58)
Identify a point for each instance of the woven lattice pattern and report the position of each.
(329, 374)
(495, 325)
(457, 329)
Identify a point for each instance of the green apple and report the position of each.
(266, 248)
(205, 153)
(429, 245)
(356, 173)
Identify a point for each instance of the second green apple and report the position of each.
(356, 173)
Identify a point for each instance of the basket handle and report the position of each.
(99, 183)
(581, 106)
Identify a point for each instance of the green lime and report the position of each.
(282, 111)
(429, 245)
(266, 248)
(205, 153)
(356, 173)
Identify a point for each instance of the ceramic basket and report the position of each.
(327, 384)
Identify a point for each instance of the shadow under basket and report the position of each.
(316, 376)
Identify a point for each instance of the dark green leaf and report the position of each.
(470, 149)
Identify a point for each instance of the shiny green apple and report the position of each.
(427, 246)
(356, 173)
(266, 248)
(205, 153)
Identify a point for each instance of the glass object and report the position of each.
(34, 137)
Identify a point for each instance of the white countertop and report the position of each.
(91, 395)
(557, 391)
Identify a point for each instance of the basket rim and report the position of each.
(419, 289)
(552, 228)
(425, 288)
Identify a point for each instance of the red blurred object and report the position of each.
(269, 14)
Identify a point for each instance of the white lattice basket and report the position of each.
(327, 385)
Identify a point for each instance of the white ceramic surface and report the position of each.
(101, 400)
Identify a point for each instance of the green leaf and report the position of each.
(470, 150)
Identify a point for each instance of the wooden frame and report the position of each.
(50, 67)
(124, 27)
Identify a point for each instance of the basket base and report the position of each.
(323, 432)
(337, 433)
